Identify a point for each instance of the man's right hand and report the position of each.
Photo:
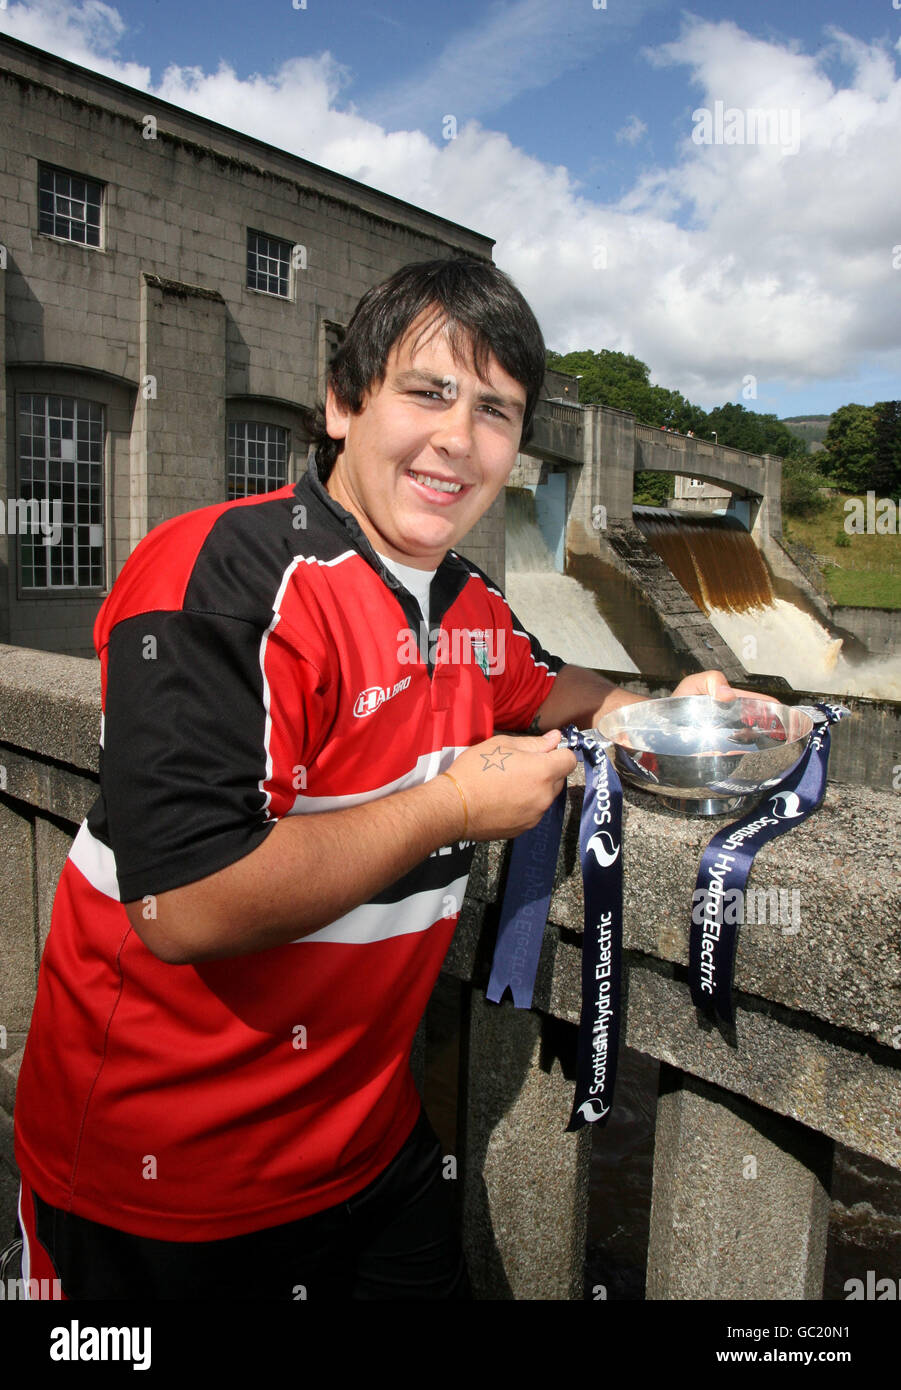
(509, 781)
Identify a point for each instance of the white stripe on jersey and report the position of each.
(26, 1248)
(381, 921)
(96, 861)
(276, 616)
(423, 770)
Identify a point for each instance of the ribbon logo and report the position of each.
(604, 848)
(590, 1111)
(791, 806)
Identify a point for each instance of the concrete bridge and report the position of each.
(606, 448)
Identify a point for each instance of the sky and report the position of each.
(714, 188)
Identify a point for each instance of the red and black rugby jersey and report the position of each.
(257, 661)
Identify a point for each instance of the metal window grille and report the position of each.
(268, 264)
(60, 457)
(69, 206)
(257, 458)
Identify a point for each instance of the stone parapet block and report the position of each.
(50, 705)
(741, 1203)
(835, 956)
(824, 1079)
(48, 787)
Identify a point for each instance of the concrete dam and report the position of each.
(706, 582)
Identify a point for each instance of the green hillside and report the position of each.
(811, 428)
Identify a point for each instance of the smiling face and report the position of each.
(429, 451)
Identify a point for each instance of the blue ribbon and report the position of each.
(726, 864)
(600, 844)
(524, 914)
(530, 881)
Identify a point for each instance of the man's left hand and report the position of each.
(715, 683)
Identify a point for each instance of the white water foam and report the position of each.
(555, 607)
(564, 618)
(783, 640)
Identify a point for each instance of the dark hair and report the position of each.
(484, 314)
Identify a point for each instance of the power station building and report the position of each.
(170, 294)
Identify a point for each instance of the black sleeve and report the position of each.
(183, 762)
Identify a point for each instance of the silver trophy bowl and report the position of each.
(706, 757)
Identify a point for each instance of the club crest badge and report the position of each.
(479, 645)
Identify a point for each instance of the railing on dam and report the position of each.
(746, 1120)
(558, 432)
(728, 458)
(569, 414)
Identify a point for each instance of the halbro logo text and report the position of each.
(371, 699)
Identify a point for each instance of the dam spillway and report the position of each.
(713, 557)
(562, 613)
(718, 564)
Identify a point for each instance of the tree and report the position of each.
(652, 489)
(758, 434)
(885, 478)
(801, 481)
(849, 457)
(622, 381)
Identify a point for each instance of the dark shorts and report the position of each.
(396, 1239)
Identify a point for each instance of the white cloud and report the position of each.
(632, 131)
(732, 259)
(86, 33)
(517, 46)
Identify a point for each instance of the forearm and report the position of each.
(308, 871)
(581, 697)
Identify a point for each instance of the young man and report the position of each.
(216, 1097)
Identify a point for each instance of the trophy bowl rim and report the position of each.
(629, 719)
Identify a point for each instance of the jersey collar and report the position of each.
(450, 577)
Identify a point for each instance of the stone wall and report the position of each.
(878, 628)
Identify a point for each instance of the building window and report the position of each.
(69, 206)
(60, 493)
(268, 264)
(257, 458)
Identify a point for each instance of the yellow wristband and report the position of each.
(463, 799)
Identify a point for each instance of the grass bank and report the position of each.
(862, 571)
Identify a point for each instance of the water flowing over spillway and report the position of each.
(718, 564)
(557, 609)
(713, 558)
(782, 640)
